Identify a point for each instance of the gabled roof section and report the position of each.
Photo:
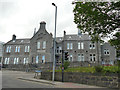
(42, 29)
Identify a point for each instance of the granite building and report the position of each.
(39, 49)
(1, 51)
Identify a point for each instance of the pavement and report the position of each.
(59, 84)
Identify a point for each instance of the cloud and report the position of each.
(20, 17)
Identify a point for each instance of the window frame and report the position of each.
(38, 45)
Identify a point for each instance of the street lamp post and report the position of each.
(54, 41)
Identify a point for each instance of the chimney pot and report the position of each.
(42, 25)
(14, 37)
(64, 33)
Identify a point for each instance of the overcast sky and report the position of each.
(20, 17)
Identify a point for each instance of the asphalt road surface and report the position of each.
(9, 80)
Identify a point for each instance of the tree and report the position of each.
(99, 19)
(116, 42)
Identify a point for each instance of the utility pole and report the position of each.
(54, 42)
(62, 66)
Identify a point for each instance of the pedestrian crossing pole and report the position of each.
(62, 66)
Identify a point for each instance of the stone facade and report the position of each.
(108, 54)
(1, 51)
(39, 49)
(14, 51)
(41, 45)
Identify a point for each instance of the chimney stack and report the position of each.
(14, 37)
(64, 33)
(42, 25)
(34, 31)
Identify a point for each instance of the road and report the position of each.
(10, 80)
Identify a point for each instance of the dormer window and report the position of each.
(69, 36)
(13, 40)
(21, 41)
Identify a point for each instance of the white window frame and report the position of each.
(70, 57)
(8, 49)
(38, 45)
(92, 57)
(5, 62)
(78, 45)
(44, 44)
(25, 61)
(37, 59)
(8, 60)
(27, 48)
(71, 45)
(60, 50)
(111, 62)
(14, 61)
(92, 46)
(80, 57)
(68, 47)
(18, 48)
(43, 59)
(106, 52)
(17, 60)
(82, 45)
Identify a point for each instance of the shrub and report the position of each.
(66, 64)
(111, 69)
(98, 68)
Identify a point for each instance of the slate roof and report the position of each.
(19, 41)
(59, 39)
(77, 37)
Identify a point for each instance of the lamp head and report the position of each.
(53, 4)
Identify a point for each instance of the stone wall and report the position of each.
(29, 67)
(46, 66)
(109, 80)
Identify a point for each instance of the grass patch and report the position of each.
(105, 69)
